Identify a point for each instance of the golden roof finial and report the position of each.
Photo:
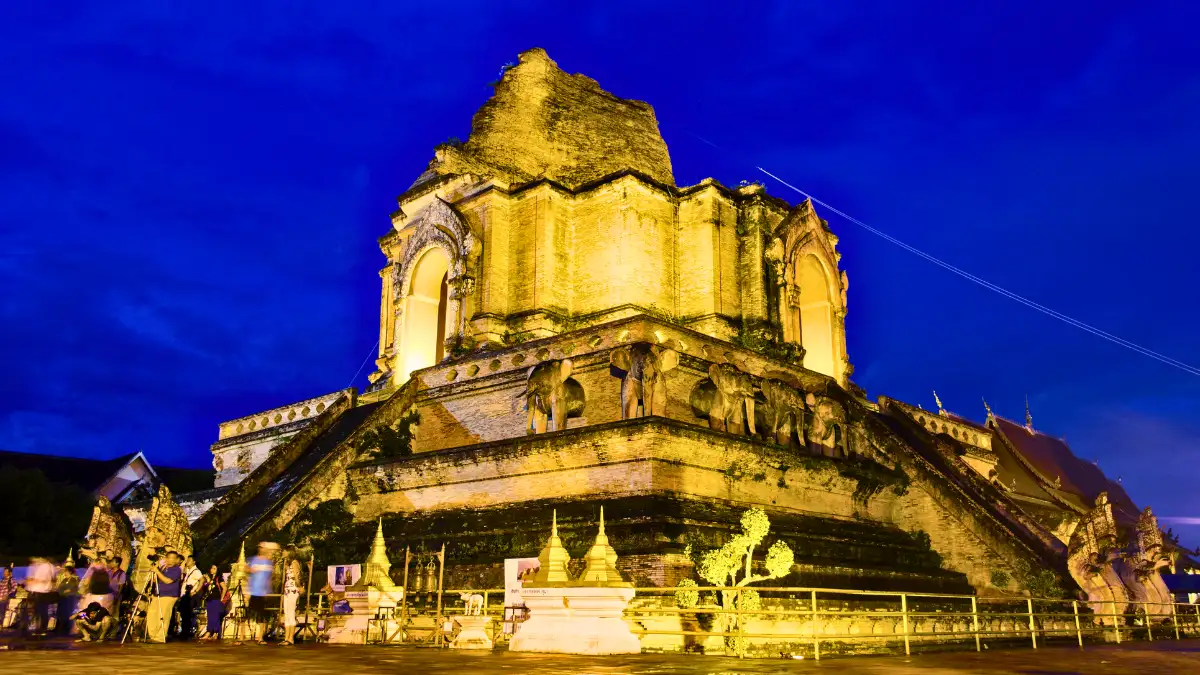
(1028, 415)
(941, 410)
(988, 408)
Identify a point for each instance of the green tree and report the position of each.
(390, 442)
(732, 565)
(41, 517)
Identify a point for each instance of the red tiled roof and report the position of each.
(1053, 458)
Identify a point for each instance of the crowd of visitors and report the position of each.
(179, 602)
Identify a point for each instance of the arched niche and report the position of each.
(815, 310)
(425, 310)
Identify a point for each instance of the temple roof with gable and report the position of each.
(1080, 482)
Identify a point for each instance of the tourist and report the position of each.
(213, 595)
(95, 623)
(116, 584)
(39, 584)
(291, 593)
(8, 589)
(192, 578)
(116, 575)
(66, 586)
(95, 585)
(261, 567)
(162, 606)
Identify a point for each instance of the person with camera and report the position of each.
(212, 594)
(168, 576)
(95, 623)
(188, 601)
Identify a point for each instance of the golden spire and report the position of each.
(1028, 415)
(601, 559)
(941, 410)
(552, 561)
(378, 554)
(377, 569)
(988, 408)
(238, 572)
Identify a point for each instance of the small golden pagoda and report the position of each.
(553, 559)
(601, 559)
(377, 569)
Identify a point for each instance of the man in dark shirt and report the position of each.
(158, 617)
(94, 622)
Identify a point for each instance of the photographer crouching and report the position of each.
(94, 623)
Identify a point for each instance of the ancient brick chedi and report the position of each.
(576, 331)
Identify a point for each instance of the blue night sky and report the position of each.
(190, 198)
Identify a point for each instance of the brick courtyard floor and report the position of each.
(18, 658)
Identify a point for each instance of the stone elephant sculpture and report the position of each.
(726, 399)
(645, 381)
(782, 411)
(828, 419)
(550, 393)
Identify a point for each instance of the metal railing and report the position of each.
(807, 622)
(422, 617)
(817, 617)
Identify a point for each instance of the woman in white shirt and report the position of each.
(291, 593)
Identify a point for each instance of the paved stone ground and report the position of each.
(19, 658)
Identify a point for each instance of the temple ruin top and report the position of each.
(544, 123)
(560, 212)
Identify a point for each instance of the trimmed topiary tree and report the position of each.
(732, 566)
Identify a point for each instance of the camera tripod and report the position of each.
(145, 593)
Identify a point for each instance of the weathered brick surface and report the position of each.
(474, 400)
(640, 456)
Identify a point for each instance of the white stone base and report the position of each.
(576, 620)
(473, 633)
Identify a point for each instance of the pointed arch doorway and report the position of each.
(816, 317)
(422, 342)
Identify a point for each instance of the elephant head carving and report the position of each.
(726, 399)
(828, 422)
(782, 411)
(551, 393)
(645, 380)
